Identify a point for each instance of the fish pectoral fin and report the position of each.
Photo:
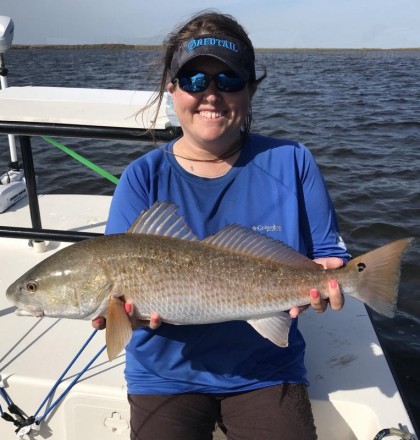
(118, 328)
(275, 328)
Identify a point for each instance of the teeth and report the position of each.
(211, 115)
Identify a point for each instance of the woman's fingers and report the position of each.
(99, 323)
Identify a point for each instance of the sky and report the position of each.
(384, 24)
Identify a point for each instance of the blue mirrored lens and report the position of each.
(198, 82)
(194, 83)
(229, 82)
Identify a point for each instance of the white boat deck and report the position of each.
(352, 390)
(79, 106)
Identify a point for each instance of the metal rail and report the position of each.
(87, 131)
(27, 129)
(46, 234)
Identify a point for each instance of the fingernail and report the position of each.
(333, 284)
(128, 308)
(154, 322)
(314, 293)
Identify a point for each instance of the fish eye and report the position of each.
(32, 286)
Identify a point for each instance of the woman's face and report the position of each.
(210, 117)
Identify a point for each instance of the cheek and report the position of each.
(184, 102)
(241, 106)
(241, 100)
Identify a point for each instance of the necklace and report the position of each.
(237, 146)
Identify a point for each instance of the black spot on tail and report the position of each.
(361, 267)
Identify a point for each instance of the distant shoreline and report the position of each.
(159, 47)
(86, 46)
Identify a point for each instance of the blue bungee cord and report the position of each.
(5, 396)
(60, 379)
(11, 407)
(25, 425)
(69, 387)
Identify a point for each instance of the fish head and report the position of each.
(64, 285)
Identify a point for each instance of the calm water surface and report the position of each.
(358, 112)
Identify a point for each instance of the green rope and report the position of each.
(82, 160)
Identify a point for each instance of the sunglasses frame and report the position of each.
(189, 78)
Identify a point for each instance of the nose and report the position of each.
(211, 94)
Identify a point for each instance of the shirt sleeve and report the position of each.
(317, 213)
(129, 200)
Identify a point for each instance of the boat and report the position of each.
(55, 378)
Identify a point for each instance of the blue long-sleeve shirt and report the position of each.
(275, 188)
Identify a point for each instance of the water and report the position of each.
(358, 112)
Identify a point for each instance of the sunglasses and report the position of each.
(197, 82)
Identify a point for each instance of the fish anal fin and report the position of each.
(118, 327)
(275, 328)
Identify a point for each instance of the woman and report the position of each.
(182, 379)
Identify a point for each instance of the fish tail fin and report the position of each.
(379, 275)
(118, 328)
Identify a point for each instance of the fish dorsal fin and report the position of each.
(162, 219)
(248, 242)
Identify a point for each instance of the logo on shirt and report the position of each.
(267, 228)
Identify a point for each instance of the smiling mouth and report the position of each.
(211, 115)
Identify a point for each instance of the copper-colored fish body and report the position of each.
(236, 274)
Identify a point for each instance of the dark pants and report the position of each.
(280, 412)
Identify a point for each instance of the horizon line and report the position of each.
(158, 46)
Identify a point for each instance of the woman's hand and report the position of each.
(99, 323)
(335, 299)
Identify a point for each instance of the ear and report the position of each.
(171, 87)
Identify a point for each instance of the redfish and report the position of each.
(161, 267)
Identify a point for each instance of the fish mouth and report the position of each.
(26, 311)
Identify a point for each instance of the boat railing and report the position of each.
(24, 130)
